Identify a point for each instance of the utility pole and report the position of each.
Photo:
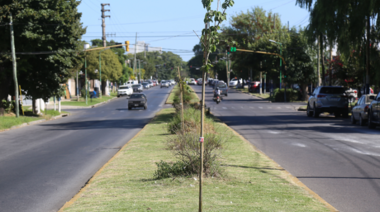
(181, 93)
(134, 61)
(318, 63)
(14, 63)
(104, 23)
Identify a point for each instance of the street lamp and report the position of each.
(280, 66)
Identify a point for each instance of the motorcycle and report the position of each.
(217, 99)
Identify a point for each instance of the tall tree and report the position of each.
(50, 32)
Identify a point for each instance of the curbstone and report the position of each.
(36, 122)
(18, 126)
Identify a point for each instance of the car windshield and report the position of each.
(222, 85)
(135, 86)
(145, 83)
(332, 90)
(137, 96)
(123, 87)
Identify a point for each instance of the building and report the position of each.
(141, 46)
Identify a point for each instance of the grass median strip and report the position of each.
(90, 102)
(251, 182)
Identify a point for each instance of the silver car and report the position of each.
(360, 111)
(331, 99)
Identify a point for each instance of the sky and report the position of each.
(170, 23)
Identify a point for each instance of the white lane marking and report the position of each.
(346, 139)
(278, 108)
(261, 107)
(273, 132)
(224, 108)
(298, 144)
(363, 152)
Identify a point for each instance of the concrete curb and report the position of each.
(86, 107)
(34, 122)
(251, 95)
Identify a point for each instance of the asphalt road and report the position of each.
(337, 160)
(42, 166)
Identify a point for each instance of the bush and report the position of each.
(8, 106)
(167, 170)
(186, 148)
(192, 118)
(186, 96)
(83, 93)
(291, 95)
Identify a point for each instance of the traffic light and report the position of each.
(127, 46)
(233, 49)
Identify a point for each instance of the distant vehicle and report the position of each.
(146, 85)
(332, 99)
(209, 80)
(165, 83)
(199, 82)
(192, 82)
(352, 94)
(218, 83)
(137, 100)
(132, 82)
(124, 90)
(172, 82)
(360, 111)
(223, 88)
(234, 82)
(137, 88)
(255, 85)
(212, 83)
(374, 112)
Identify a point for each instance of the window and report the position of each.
(332, 90)
(360, 101)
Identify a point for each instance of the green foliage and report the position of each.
(291, 95)
(41, 26)
(167, 170)
(111, 67)
(83, 93)
(8, 105)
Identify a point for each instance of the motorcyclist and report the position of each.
(216, 92)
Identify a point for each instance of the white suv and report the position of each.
(124, 90)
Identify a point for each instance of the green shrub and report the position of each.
(167, 170)
(192, 118)
(291, 95)
(83, 93)
(8, 106)
(186, 96)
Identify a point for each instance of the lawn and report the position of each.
(251, 181)
(7, 122)
(90, 102)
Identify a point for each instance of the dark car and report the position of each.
(331, 99)
(137, 88)
(374, 112)
(137, 100)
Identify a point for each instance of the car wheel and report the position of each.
(369, 123)
(226, 94)
(129, 108)
(353, 121)
(361, 121)
(315, 112)
(309, 113)
(118, 96)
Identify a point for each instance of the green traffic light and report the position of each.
(233, 49)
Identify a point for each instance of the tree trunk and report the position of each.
(34, 106)
(4, 91)
(305, 92)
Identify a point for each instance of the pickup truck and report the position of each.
(374, 113)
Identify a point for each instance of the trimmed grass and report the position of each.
(82, 101)
(172, 94)
(252, 182)
(263, 96)
(8, 122)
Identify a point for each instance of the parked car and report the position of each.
(374, 112)
(223, 88)
(165, 83)
(172, 81)
(360, 111)
(217, 83)
(137, 100)
(124, 90)
(254, 86)
(332, 99)
(146, 85)
(192, 82)
(209, 80)
(234, 82)
(137, 88)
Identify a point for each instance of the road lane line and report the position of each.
(261, 107)
(224, 108)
